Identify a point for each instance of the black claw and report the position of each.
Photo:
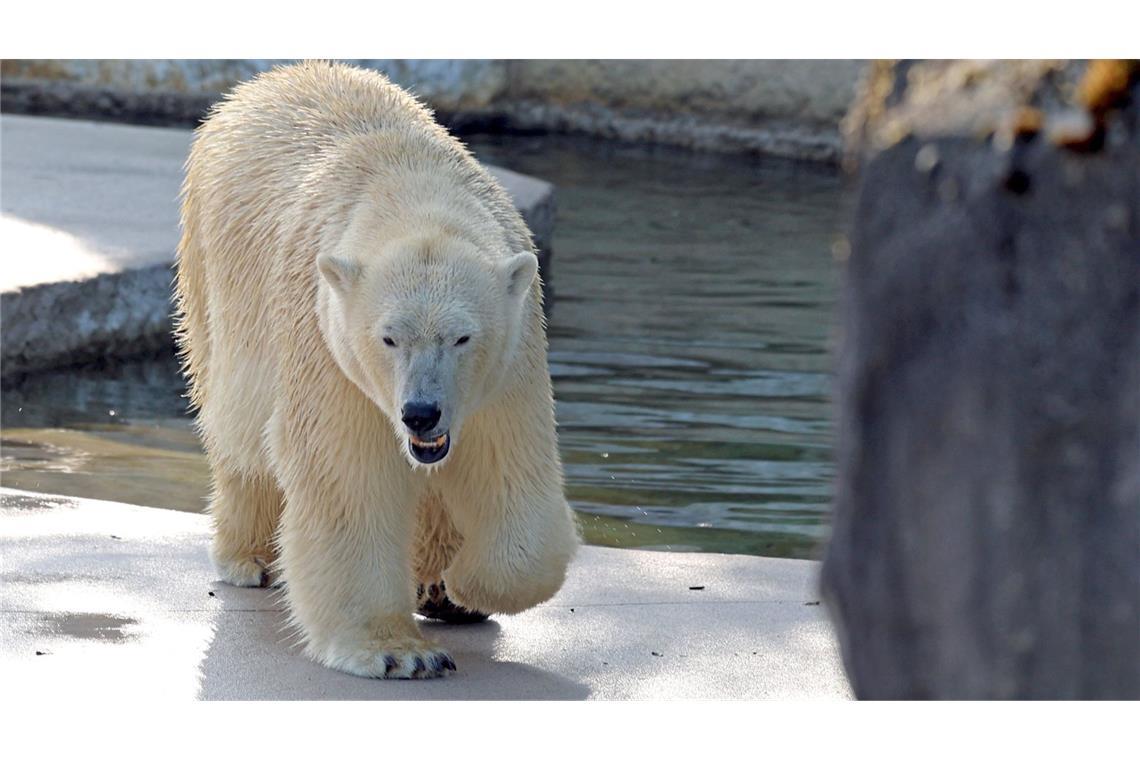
(390, 664)
(441, 662)
(263, 582)
(420, 667)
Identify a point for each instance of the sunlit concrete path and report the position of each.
(89, 226)
(100, 600)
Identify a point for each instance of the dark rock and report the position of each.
(986, 538)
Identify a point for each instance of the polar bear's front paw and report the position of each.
(405, 658)
(480, 592)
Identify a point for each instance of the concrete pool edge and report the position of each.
(96, 280)
(107, 596)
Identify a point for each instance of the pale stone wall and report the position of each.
(449, 84)
(790, 108)
(747, 92)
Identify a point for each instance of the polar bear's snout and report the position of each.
(420, 417)
(427, 443)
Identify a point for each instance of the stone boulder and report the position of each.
(986, 536)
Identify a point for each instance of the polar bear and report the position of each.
(360, 320)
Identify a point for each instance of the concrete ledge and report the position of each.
(805, 141)
(74, 322)
(90, 225)
(108, 601)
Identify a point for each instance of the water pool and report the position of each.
(689, 345)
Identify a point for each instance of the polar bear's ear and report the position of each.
(339, 272)
(520, 271)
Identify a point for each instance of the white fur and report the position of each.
(324, 210)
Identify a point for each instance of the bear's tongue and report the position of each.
(429, 452)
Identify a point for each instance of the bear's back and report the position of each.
(284, 124)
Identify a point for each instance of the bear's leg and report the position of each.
(245, 509)
(346, 536)
(437, 541)
(515, 554)
(504, 494)
(245, 502)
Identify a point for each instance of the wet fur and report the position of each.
(309, 478)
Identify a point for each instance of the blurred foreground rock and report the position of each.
(987, 521)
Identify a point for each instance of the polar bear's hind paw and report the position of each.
(434, 604)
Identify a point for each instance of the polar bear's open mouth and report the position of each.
(429, 452)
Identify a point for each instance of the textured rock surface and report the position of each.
(90, 225)
(986, 538)
(788, 108)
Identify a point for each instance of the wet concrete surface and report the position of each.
(108, 600)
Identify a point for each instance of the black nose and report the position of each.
(420, 418)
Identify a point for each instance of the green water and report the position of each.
(689, 334)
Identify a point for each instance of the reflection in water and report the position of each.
(118, 432)
(688, 335)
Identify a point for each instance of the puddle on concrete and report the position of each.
(137, 463)
(689, 337)
(90, 626)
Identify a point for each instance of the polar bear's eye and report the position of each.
(389, 342)
(463, 340)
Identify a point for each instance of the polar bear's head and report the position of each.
(428, 328)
